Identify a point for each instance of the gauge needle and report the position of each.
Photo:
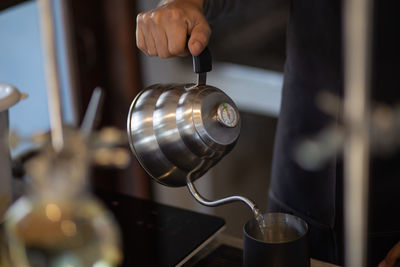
(226, 110)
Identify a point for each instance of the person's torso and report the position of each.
(314, 65)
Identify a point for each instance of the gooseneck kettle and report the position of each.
(179, 131)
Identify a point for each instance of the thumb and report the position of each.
(199, 37)
(392, 256)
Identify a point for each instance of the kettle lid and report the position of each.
(216, 118)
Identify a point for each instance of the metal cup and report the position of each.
(283, 244)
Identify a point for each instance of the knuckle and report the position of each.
(141, 46)
(174, 14)
(151, 53)
(206, 30)
(139, 18)
(145, 17)
(205, 37)
(155, 17)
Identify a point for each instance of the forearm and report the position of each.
(212, 9)
(199, 3)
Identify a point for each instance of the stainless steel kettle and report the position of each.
(177, 132)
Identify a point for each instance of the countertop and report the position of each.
(222, 239)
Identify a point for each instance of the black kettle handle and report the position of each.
(203, 62)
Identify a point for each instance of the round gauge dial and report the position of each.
(227, 115)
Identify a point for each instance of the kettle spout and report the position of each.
(213, 203)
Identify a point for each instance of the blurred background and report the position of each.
(248, 64)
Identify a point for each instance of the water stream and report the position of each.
(260, 219)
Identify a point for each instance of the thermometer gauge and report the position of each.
(227, 115)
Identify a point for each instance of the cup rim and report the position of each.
(303, 222)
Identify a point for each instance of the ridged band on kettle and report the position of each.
(176, 130)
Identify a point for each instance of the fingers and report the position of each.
(177, 37)
(160, 34)
(199, 37)
(145, 40)
(140, 41)
(163, 31)
(391, 257)
(161, 42)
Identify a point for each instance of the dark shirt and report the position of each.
(314, 64)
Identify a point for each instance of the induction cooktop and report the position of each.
(159, 235)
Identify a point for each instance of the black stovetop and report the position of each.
(158, 235)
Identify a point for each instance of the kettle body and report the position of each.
(178, 132)
(181, 130)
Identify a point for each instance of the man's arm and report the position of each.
(164, 30)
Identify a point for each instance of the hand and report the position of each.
(163, 31)
(391, 257)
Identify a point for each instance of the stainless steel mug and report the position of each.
(283, 243)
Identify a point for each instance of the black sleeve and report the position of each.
(215, 9)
